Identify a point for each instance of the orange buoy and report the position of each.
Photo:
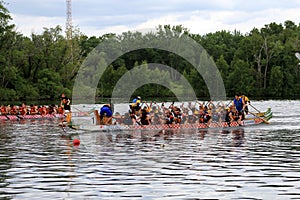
(76, 142)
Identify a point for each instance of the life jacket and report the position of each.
(170, 119)
(3, 110)
(14, 111)
(42, 111)
(148, 110)
(238, 104)
(23, 111)
(203, 118)
(246, 99)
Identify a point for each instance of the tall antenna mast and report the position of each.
(69, 20)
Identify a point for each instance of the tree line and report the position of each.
(260, 64)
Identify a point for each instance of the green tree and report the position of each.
(241, 80)
(8, 72)
(276, 82)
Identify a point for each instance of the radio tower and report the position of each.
(69, 20)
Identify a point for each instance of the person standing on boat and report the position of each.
(238, 102)
(65, 102)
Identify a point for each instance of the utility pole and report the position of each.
(69, 37)
(69, 20)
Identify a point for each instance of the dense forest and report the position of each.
(260, 64)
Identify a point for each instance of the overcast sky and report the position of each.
(97, 17)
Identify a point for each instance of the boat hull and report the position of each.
(23, 117)
(250, 120)
(112, 128)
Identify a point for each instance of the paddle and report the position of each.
(6, 117)
(229, 103)
(259, 117)
(85, 112)
(254, 108)
(20, 117)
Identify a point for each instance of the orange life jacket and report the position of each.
(23, 111)
(13, 111)
(3, 110)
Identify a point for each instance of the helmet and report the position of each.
(138, 97)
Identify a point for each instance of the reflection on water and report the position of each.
(38, 160)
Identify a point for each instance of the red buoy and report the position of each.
(76, 142)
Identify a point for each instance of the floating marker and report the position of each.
(76, 142)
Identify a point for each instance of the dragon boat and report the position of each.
(250, 120)
(39, 116)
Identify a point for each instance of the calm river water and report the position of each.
(39, 161)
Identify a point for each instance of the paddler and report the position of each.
(106, 114)
(246, 102)
(135, 106)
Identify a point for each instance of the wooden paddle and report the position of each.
(87, 113)
(229, 103)
(6, 117)
(259, 117)
(254, 108)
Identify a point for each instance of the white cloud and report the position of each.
(98, 17)
(27, 24)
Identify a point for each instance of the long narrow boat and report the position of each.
(21, 117)
(111, 128)
(47, 116)
(265, 114)
(251, 119)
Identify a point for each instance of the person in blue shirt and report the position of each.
(106, 114)
(238, 102)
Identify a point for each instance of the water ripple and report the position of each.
(39, 161)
